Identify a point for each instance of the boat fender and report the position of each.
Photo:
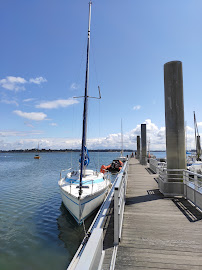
(121, 163)
(103, 169)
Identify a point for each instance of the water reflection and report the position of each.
(34, 222)
(70, 233)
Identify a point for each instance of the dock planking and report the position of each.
(158, 232)
(108, 233)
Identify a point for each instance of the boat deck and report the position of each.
(158, 232)
(92, 183)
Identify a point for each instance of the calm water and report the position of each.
(36, 231)
(159, 154)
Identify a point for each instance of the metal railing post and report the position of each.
(195, 187)
(119, 202)
(116, 216)
(185, 180)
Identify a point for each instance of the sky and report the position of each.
(42, 70)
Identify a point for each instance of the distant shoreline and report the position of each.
(69, 150)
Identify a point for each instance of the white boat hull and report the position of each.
(80, 209)
(94, 188)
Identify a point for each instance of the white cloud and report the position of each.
(137, 107)
(13, 83)
(74, 86)
(9, 102)
(28, 99)
(37, 80)
(189, 129)
(155, 134)
(199, 124)
(11, 133)
(28, 124)
(53, 124)
(151, 127)
(18, 84)
(54, 104)
(36, 116)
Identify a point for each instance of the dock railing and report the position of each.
(179, 182)
(119, 203)
(193, 187)
(90, 254)
(170, 182)
(155, 165)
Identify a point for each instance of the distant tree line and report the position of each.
(63, 150)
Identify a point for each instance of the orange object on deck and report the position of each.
(103, 169)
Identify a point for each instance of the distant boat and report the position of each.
(122, 158)
(194, 163)
(83, 190)
(195, 167)
(197, 140)
(37, 156)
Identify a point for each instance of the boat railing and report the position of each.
(106, 178)
(90, 254)
(65, 170)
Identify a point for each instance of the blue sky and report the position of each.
(43, 54)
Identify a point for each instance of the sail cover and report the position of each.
(86, 157)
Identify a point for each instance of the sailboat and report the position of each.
(122, 158)
(83, 190)
(117, 163)
(37, 156)
(195, 164)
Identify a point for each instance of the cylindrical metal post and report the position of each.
(138, 147)
(198, 147)
(174, 115)
(143, 144)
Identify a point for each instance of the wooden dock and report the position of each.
(158, 232)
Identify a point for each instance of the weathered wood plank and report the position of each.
(158, 232)
(108, 244)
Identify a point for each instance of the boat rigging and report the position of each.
(84, 190)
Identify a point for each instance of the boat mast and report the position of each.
(85, 108)
(121, 138)
(197, 139)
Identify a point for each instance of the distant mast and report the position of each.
(197, 139)
(121, 138)
(85, 108)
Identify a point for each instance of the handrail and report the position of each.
(96, 224)
(167, 174)
(190, 183)
(119, 202)
(156, 165)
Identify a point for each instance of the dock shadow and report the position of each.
(150, 171)
(108, 227)
(190, 211)
(152, 195)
